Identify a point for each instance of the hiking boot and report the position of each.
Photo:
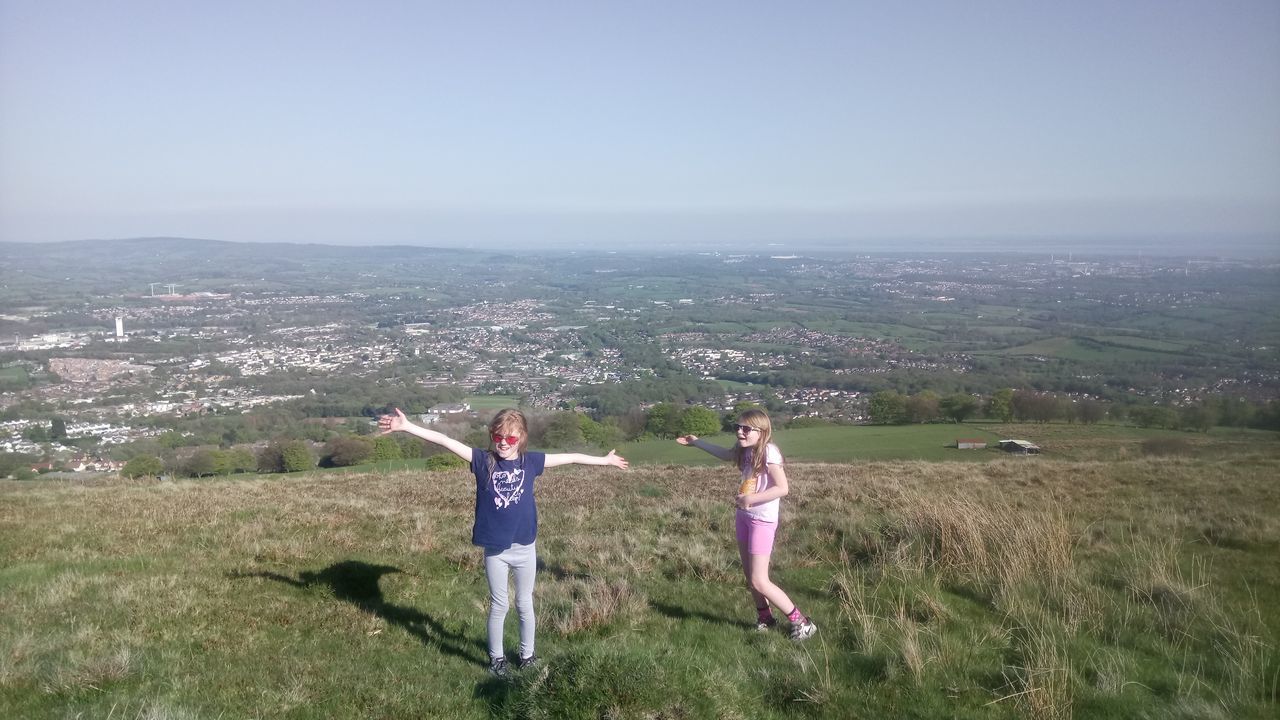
(525, 663)
(498, 667)
(803, 630)
(763, 625)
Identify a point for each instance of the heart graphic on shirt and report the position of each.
(508, 487)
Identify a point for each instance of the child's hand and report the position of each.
(392, 423)
(741, 501)
(613, 458)
(687, 439)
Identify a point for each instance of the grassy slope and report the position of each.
(1014, 588)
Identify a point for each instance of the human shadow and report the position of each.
(680, 613)
(357, 583)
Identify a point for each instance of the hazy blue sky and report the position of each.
(517, 123)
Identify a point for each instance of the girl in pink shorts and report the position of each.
(764, 483)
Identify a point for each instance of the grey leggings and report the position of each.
(523, 562)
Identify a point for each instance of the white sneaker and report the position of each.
(803, 630)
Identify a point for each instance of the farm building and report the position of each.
(435, 413)
(970, 444)
(1021, 447)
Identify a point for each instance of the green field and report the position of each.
(835, 444)
(1084, 351)
(483, 403)
(1144, 343)
(15, 374)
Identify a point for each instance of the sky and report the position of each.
(622, 124)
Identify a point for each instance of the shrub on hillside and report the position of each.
(142, 466)
(297, 456)
(444, 461)
(288, 456)
(386, 447)
(346, 450)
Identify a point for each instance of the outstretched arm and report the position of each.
(723, 453)
(397, 422)
(613, 458)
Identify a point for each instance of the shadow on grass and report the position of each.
(679, 613)
(357, 583)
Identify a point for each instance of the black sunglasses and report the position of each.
(746, 429)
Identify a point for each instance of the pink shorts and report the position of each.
(754, 534)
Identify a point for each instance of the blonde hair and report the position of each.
(510, 421)
(756, 418)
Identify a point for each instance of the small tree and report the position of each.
(887, 407)
(296, 456)
(271, 458)
(922, 407)
(697, 420)
(385, 447)
(1000, 406)
(663, 421)
(347, 450)
(142, 466)
(204, 462)
(411, 446)
(958, 407)
(239, 460)
(1090, 411)
(563, 432)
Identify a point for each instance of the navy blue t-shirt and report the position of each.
(505, 511)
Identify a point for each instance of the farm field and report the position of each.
(936, 442)
(1048, 588)
(481, 403)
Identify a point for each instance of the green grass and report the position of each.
(15, 373)
(481, 403)
(1139, 343)
(1011, 589)
(1083, 350)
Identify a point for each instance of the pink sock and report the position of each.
(795, 615)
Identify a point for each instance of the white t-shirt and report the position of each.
(772, 456)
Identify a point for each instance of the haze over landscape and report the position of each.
(1139, 126)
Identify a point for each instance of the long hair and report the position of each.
(508, 421)
(756, 418)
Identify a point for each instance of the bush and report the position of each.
(142, 466)
(297, 456)
(386, 447)
(287, 456)
(346, 450)
(444, 461)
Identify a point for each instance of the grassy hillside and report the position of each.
(1042, 588)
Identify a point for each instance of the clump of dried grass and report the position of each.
(577, 604)
(1042, 682)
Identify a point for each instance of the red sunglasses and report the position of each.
(510, 439)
